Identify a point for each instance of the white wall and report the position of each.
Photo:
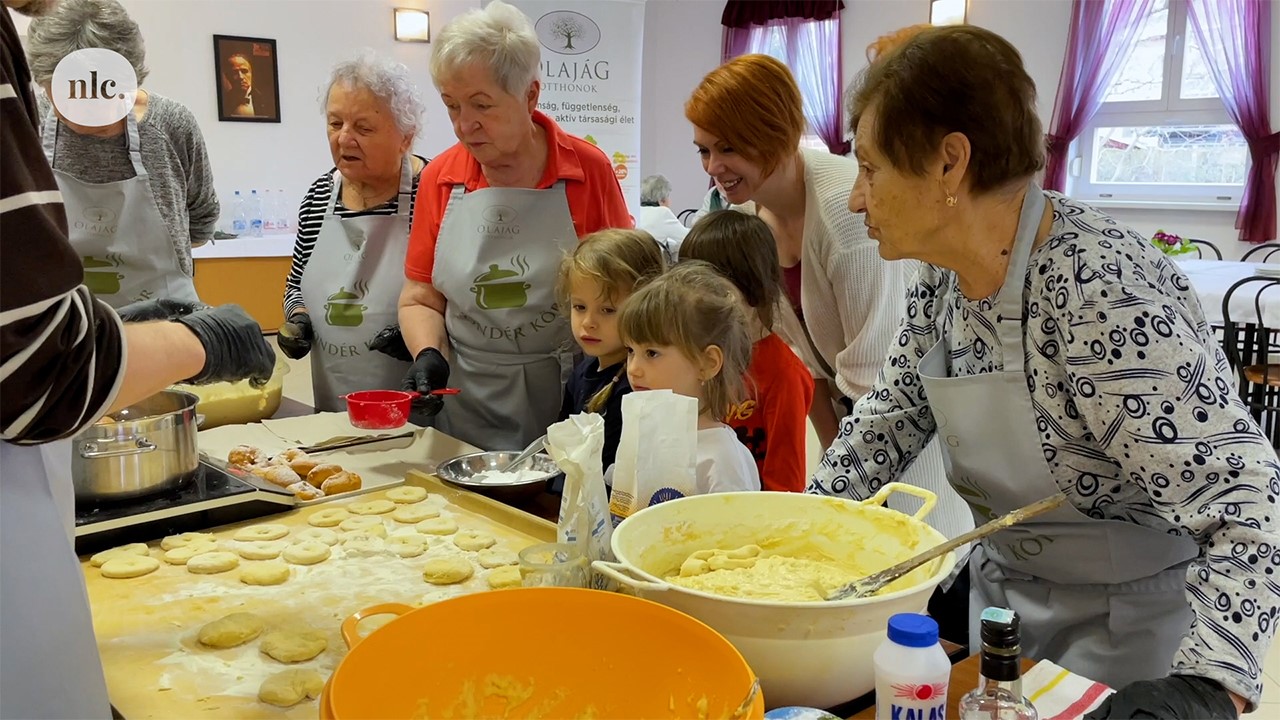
(682, 44)
(311, 36)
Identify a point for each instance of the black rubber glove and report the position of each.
(295, 336)
(390, 342)
(234, 348)
(1177, 697)
(159, 309)
(430, 371)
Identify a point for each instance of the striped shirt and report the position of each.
(61, 350)
(311, 214)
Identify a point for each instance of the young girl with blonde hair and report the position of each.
(595, 280)
(772, 419)
(687, 332)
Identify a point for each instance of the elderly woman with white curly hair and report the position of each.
(496, 214)
(138, 192)
(353, 232)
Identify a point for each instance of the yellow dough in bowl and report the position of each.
(749, 573)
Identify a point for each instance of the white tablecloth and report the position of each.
(1211, 280)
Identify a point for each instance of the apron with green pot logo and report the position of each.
(511, 348)
(1105, 599)
(117, 229)
(351, 287)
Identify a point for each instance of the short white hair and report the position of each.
(498, 35)
(388, 80)
(654, 189)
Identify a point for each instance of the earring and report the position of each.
(951, 200)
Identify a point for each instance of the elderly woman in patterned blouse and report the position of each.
(1054, 350)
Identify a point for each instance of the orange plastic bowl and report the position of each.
(574, 653)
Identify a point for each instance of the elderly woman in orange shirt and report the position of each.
(495, 215)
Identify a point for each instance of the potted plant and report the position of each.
(1171, 244)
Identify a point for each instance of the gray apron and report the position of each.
(117, 230)
(1103, 598)
(351, 287)
(497, 258)
(49, 663)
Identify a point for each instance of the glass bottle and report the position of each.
(999, 692)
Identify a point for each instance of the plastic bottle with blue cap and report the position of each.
(912, 671)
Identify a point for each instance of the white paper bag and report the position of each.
(575, 445)
(658, 453)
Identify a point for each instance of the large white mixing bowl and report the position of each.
(816, 654)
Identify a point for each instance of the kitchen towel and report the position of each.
(1059, 694)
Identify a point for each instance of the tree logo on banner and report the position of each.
(567, 33)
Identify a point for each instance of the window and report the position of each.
(1161, 133)
(772, 40)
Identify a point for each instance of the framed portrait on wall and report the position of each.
(248, 79)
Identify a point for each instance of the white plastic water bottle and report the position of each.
(239, 216)
(912, 671)
(282, 212)
(268, 212)
(255, 214)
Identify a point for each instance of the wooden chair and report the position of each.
(1200, 246)
(1253, 350)
(686, 216)
(1262, 253)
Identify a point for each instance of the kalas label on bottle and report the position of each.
(918, 701)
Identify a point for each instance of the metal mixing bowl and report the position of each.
(461, 471)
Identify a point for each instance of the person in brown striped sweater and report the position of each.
(66, 359)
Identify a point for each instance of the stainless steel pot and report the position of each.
(146, 448)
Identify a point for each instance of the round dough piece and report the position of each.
(363, 544)
(372, 507)
(473, 540)
(290, 687)
(261, 549)
(231, 630)
(291, 646)
(447, 570)
(318, 534)
(265, 573)
(177, 541)
(497, 558)
(180, 555)
(507, 576)
(329, 517)
(406, 494)
(269, 531)
(344, 481)
(360, 524)
(407, 546)
(131, 549)
(437, 526)
(211, 563)
(129, 566)
(308, 552)
(320, 473)
(410, 514)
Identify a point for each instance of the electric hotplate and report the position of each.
(211, 497)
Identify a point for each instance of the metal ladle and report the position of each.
(871, 584)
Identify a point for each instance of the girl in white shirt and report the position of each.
(687, 332)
